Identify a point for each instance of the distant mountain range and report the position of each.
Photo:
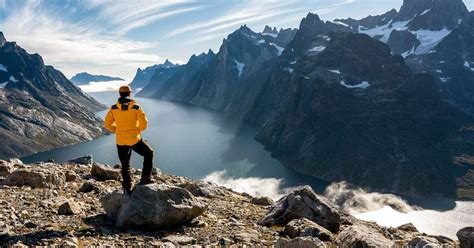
(85, 78)
(143, 77)
(385, 102)
(40, 108)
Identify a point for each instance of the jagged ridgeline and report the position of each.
(335, 101)
(40, 108)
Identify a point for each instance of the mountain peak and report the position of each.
(168, 63)
(2, 39)
(269, 30)
(432, 14)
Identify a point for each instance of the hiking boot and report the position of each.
(146, 180)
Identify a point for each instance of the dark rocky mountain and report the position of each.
(428, 21)
(452, 63)
(40, 108)
(337, 105)
(210, 80)
(85, 78)
(143, 77)
(432, 14)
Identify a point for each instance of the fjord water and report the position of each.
(201, 144)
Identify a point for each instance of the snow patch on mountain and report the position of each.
(343, 24)
(335, 71)
(429, 39)
(3, 68)
(317, 49)
(385, 30)
(364, 85)
(444, 79)
(279, 48)
(270, 34)
(290, 70)
(425, 12)
(468, 65)
(239, 66)
(13, 79)
(2, 85)
(293, 62)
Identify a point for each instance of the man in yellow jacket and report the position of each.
(127, 120)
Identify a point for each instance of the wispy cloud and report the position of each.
(96, 43)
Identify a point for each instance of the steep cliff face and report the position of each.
(353, 111)
(39, 107)
(210, 80)
(452, 63)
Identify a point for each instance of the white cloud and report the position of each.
(95, 44)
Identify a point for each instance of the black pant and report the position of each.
(125, 153)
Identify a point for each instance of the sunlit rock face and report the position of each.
(39, 107)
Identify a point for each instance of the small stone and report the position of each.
(86, 160)
(104, 172)
(466, 237)
(262, 201)
(70, 176)
(246, 237)
(306, 228)
(69, 207)
(89, 186)
(180, 239)
(409, 227)
(225, 242)
(197, 223)
(30, 224)
(5, 168)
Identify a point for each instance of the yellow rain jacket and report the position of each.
(127, 120)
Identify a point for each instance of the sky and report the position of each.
(115, 37)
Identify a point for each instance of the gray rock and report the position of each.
(104, 172)
(180, 239)
(300, 242)
(70, 176)
(15, 161)
(5, 168)
(304, 203)
(246, 237)
(69, 207)
(87, 160)
(35, 177)
(225, 242)
(262, 201)
(202, 188)
(89, 186)
(30, 224)
(306, 228)
(409, 227)
(152, 205)
(362, 235)
(466, 237)
(423, 242)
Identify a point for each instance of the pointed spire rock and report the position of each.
(2, 39)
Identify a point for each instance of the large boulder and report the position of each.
(466, 237)
(5, 168)
(152, 206)
(306, 228)
(104, 172)
(362, 235)
(87, 160)
(36, 177)
(304, 203)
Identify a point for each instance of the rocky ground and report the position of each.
(80, 204)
